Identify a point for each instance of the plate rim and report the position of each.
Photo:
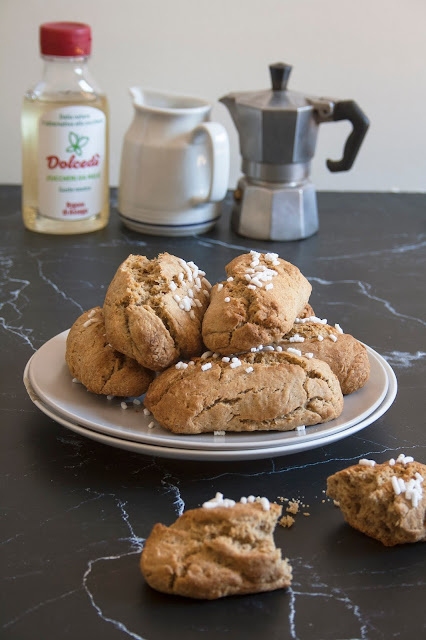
(214, 454)
(276, 438)
(178, 441)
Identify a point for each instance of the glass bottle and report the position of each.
(65, 138)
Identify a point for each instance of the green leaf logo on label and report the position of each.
(76, 143)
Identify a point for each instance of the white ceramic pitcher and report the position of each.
(174, 165)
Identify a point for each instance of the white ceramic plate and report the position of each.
(52, 383)
(221, 455)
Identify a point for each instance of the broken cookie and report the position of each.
(154, 309)
(221, 549)
(385, 501)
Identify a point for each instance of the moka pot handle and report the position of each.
(349, 110)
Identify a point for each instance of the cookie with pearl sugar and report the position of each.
(384, 501)
(345, 355)
(267, 390)
(154, 309)
(257, 304)
(223, 548)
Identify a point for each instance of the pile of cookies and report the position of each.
(247, 354)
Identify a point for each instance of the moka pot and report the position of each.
(275, 200)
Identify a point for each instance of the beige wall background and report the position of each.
(373, 51)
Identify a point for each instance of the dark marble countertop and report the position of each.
(75, 513)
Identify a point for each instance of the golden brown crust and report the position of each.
(142, 314)
(253, 316)
(212, 553)
(369, 503)
(306, 312)
(99, 367)
(347, 358)
(282, 392)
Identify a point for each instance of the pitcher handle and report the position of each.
(218, 143)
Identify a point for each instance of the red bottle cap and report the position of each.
(72, 39)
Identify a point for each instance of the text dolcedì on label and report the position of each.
(71, 160)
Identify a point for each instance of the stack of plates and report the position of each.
(50, 387)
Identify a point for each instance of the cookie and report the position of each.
(154, 309)
(306, 312)
(257, 304)
(256, 391)
(346, 357)
(385, 501)
(99, 367)
(211, 553)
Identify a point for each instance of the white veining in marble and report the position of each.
(292, 613)
(116, 623)
(122, 241)
(210, 242)
(169, 487)
(58, 290)
(365, 289)
(318, 589)
(288, 468)
(11, 300)
(398, 249)
(136, 544)
(12, 538)
(22, 332)
(404, 359)
(379, 252)
(23, 575)
(16, 619)
(336, 596)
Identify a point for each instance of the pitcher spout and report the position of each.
(137, 96)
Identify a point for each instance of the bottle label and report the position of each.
(71, 162)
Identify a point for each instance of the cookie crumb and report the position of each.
(286, 522)
(293, 507)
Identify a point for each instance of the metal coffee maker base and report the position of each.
(277, 211)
